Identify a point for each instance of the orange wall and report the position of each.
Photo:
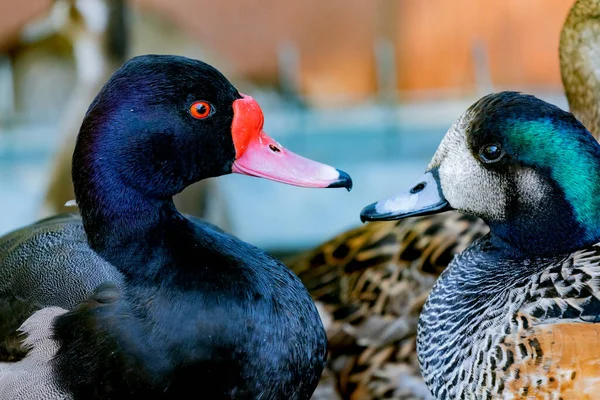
(14, 14)
(433, 39)
(335, 37)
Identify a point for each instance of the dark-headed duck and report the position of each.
(134, 299)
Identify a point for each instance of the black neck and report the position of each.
(132, 235)
(550, 228)
(127, 227)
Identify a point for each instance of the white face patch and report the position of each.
(467, 185)
(532, 188)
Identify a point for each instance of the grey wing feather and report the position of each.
(32, 377)
(51, 264)
(45, 264)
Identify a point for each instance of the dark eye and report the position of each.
(491, 153)
(200, 109)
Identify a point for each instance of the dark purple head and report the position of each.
(163, 122)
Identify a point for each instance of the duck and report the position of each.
(131, 298)
(516, 314)
(371, 282)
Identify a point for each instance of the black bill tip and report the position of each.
(343, 180)
(369, 213)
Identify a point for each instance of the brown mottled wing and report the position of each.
(552, 350)
(552, 361)
(371, 283)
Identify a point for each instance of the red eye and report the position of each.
(200, 109)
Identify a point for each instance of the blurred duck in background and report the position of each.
(370, 283)
(99, 33)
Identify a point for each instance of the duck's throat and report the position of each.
(117, 218)
(125, 226)
(552, 227)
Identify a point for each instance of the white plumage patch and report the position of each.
(32, 377)
(467, 185)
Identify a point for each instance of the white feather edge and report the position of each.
(71, 203)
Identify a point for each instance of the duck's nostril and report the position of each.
(418, 188)
(274, 149)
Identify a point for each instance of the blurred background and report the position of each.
(367, 86)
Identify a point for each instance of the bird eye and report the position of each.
(491, 153)
(200, 109)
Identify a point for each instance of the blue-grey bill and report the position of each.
(425, 197)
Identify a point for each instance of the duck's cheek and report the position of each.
(472, 189)
(533, 189)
